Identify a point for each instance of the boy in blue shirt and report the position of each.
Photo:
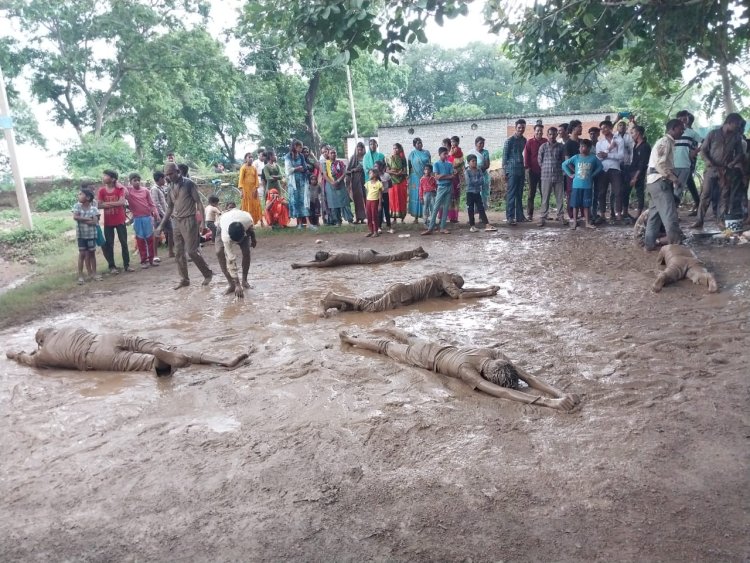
(444, 175)
(582, 168)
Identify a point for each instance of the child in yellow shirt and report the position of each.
(374, 188)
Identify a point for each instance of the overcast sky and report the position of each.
(454, 33)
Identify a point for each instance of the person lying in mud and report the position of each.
(400, 294)
(486, 369)
(681, 262)
(77, 348)
(325, 259)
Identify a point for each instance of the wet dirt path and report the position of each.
(315, 451)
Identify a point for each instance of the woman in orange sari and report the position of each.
(277, 211)
(248, 185)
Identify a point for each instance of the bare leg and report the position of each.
(671, 274)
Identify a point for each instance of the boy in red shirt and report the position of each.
(111, 200)
(144, 214)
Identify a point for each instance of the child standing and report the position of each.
(427, 190)
(385, 202)
(86, 216)
(315, 195)
(582, 168)
(474, 184)
(444, 176)
(144, 214)
(212, 215)
(374, 188)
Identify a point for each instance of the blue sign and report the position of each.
(6, 122)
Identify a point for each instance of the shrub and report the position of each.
(57, 200)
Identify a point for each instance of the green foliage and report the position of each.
(97, 153)
(582, 38)
(57, 200)
(459, 111)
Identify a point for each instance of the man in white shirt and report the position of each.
(628, 144)
(235, 233)
(662, 183)
(611, 152)
(258, 164)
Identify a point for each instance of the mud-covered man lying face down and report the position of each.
(486, 369)
(681, 262)
(325, 259)
(79, 349)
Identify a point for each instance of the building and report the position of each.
(495, 129)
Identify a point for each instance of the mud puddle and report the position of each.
(317, 450)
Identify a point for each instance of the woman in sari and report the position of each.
(336, 195)
(356, 181)
(298, 190)
(397, 168)
(248, 185)
(456, 157)
(418, 158)
(277, 213)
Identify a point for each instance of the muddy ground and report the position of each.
(317, 452)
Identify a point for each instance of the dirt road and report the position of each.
(318, 452)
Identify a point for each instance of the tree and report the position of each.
(656, 36)
(96, 153)
(81, 50)
(318, 35)
(459, 111)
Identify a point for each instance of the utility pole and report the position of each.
(351, 103)
(6, 123)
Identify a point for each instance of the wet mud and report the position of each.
(317, 451)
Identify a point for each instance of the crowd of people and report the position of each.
(585, 176)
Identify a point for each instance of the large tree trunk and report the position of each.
(726, 89)
(310, 97)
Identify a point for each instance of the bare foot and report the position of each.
(658, 284)
(229, 290)
(713, 287)
(245, 284)
(207, 279)
(183, 283)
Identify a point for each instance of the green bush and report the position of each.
(95, 154)
(57, 200)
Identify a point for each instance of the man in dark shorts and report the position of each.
(486, 369)
(325, 259)
(400, 294)
(79, 349)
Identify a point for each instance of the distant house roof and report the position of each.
(498, 116)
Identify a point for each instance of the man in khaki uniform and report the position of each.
(486, 369)
(325, 259)
(77, 348)
(681, 262)
(183, 202)
(400, 294)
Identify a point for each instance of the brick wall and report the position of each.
(494, 129)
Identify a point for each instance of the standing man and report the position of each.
(371, 157)
(662, 184)
(722, 151)
(235, 232)
(111, 198)
(483, 163)
(639, 167)
(686, 150)
(551, 157)
(161, 185)
(183, 202)
(626, 140)
(259, 163)
(531, 164)
(610, 151)
(514, 173)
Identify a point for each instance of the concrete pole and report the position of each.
(351, 103)
(23, 199)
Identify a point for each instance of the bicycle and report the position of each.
(225, 192)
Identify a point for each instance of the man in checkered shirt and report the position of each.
(551, 156)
